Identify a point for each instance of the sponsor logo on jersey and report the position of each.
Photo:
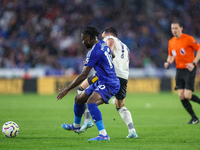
(182, 51)
(174, 53)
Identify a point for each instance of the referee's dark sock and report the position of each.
(195, 99)
(188, 107)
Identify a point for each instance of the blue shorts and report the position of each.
(106, 91)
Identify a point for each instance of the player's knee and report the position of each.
(96, 101)
(119, 105)
(187, 96)
(79, 99)
(181, 96)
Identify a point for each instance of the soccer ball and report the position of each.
(10, 129)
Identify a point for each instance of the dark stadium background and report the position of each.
(41, 52)
(42, 38)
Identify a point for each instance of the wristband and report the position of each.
(169, 64)
(194, 64)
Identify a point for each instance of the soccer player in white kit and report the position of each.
(121, 64)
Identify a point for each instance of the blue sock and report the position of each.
(78, 112)
(100, 125)
(96, 115)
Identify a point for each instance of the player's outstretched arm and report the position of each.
(76, 82)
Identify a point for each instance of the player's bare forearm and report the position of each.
(76, 82)
(197, 58)
(170, 60)
(80, 78)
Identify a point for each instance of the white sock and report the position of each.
(126, 116)
(76, 125)
(103, 132)
(86, 114)
(79, 91)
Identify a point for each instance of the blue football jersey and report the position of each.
(99, 58)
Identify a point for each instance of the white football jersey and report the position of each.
(121, 60)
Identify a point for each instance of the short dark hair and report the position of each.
(110, 30)
(91, 31)
(177, 22)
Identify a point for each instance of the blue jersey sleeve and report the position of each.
(99, 58)
(92, 58)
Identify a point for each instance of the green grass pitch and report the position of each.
(159, 119)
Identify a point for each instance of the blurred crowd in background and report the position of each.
(47, 33)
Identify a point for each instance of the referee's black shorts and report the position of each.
(185, 79)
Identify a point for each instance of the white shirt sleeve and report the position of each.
(108, 37)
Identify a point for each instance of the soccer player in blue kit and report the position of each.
(99, 58)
